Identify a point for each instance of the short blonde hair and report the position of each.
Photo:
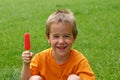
(63, 16)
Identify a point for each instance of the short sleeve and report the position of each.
(34, 66)
(85, 71)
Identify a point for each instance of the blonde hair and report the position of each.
(63, 16)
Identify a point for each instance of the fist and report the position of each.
(27, 56)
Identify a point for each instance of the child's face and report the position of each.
(61, 39)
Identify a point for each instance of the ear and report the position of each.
(48, 39)
(74, 40)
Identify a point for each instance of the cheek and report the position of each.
(52, 42)
(49, 41)
(70, 41)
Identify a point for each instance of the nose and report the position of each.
(61, 40)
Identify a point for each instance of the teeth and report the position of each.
(61, 47)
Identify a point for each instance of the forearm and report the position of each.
(26, 57)
(25, 73)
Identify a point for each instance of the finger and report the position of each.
(25, 53)
(28, 55)
(26, 60)
(31, 54)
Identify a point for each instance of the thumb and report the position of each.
(31, 54)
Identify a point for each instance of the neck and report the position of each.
(60, 59)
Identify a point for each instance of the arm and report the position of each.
(25, 73)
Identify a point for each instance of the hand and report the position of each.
(73, 77)
(27, 56)
(36, 77)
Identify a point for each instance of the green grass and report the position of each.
(98, 24)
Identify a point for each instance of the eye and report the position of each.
(67, 36)
(55, 36)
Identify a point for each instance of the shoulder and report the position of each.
(43, 54)
(77, 55)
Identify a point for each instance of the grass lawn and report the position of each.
(98, 23)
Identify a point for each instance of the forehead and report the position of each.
(61, 28)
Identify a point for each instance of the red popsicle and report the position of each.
(27, 41)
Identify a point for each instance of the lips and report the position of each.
(61, 47)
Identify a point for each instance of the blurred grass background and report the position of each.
(98, 23)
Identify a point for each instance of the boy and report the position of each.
(60, 62)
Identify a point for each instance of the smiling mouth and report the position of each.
(62, 47)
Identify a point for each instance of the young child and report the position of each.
(60, 62)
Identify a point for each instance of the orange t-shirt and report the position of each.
(43, 64)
